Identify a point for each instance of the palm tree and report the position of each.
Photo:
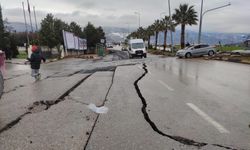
(132, 35)
(185, 15)
(157, 27)
(167, 26)
(141, 33)
(149, 33)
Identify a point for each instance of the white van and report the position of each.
(137, 48)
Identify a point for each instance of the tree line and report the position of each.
(51, 34)
(183, 16)
(8, 41)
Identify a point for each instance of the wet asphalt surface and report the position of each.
(154, 103)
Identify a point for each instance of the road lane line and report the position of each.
(165, 85)
(208, 118)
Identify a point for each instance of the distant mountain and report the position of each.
(116, 34)
(19, 26)
(209, 38)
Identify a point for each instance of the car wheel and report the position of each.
(210, 53)
(145, 55)
(188, 55)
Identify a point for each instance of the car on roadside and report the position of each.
(196, 50)
(136, 48)
(109, 45)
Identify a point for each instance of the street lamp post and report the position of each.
(139, 17)
(202, 15)
(171, 33)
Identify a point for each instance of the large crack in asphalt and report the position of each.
(13, 123)
(15, 76)
(105, 100)
(179, 139)
(44, 105)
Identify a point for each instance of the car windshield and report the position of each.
(137, 45)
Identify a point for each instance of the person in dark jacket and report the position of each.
(35, 62)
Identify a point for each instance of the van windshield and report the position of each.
(137, 45)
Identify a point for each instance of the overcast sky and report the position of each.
(120, 13)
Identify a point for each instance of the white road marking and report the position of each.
(165, 85)
(219, 127)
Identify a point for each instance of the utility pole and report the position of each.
(35, 17)
(27, 34)
(201, 17)
(171, 33)
(30, 16)
(139, 16)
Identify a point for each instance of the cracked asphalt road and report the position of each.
(154, 103)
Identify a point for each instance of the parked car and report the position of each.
(109, 45)
(196, 50)
(137, 48)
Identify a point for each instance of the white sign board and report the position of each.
(76, 43)
(82, 44)
(69, 40)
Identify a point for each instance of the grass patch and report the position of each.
(229, 48)
(160, 52)
(22, 55)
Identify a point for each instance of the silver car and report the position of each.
(196, 50)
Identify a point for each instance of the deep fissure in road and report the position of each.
(105, 100)
(47, 105)
(179, 139)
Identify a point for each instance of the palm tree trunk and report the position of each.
(156, 40)
(149, 41)
(165, 39)
(182, 36)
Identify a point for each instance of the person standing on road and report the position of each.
(35, 62)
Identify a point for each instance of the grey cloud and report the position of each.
(87, 4)
(121, 13)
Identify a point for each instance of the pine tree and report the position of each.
(47, 32)
(91, 34)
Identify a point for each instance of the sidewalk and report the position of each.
(16, 61)
(22, 61)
